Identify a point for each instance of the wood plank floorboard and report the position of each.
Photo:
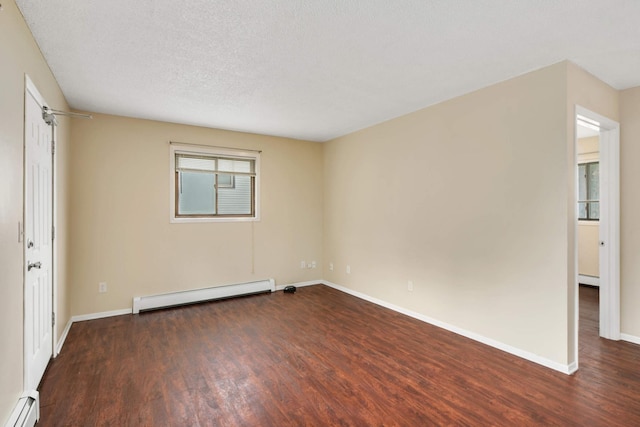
(320, 357)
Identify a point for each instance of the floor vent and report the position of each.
(27, 411)
(154, 302)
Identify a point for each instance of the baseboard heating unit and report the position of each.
(155, 302)
(26, 412)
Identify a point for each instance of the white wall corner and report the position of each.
(82, 318)
(63, 337)
(136, 305)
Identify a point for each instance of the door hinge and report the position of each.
(53, 147)
(53, 319)
(53, 233)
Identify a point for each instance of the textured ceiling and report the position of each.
(316, 70)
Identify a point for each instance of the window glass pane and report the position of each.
(582, 182)
(196, 193)
(594, 210)
(594, 181)
(229, 165)
(195, 163)
(582, 210)
(236, 200)
(225, 181)
(589, 191)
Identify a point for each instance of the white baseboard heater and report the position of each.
(27, 411)
(154, 302)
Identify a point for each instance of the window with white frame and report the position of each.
(211, 184)
(589, 191)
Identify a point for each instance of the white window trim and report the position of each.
(175, 148)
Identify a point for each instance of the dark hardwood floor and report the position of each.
(320, 357)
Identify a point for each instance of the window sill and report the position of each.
(222, 219)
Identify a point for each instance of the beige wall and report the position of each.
(588, 248)
(19, 55)
(451, 197)
(589, 149)
(588, 231)
(121, 230)
(629, 211)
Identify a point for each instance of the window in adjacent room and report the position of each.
(211, 184)
(589, 191)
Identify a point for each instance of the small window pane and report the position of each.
(582, 182)
(196, 193)
(589, 191)
(582, 210)
(236, 200)
(594, 210)
(594, 181)
(229, 165)
(225, 181)
(195, 163)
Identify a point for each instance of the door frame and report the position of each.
(54, 252)
(30, 89)
(609, 225)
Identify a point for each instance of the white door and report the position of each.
(38, 237)
(609, 234)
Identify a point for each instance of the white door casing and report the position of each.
(609, 233)
(38, 236)
(609, 226)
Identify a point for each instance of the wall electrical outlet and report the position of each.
(330, 266)
(410, 286)
(303, 264)
(313, 264)
(102, 287)
(348, 269)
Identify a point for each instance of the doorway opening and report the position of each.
(597, 207)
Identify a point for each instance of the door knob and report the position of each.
(31, 265)
(30, 244)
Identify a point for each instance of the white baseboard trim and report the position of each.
(588, 280)
(300, 284)
(27, 410)
(565, 369)
(82, 318)
(102, 315)
(212, 293)
(63, 337)
(630, 338)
